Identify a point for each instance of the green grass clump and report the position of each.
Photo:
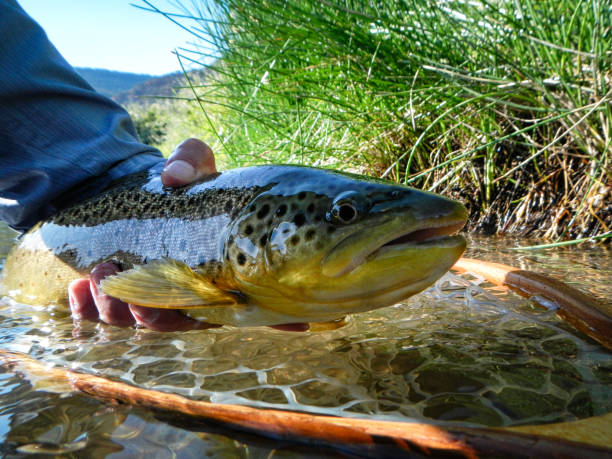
(503, 104)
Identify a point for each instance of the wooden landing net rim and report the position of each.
(585, 313)
(361, 436)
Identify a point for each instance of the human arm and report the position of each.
(62, 142)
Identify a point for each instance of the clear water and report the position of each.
(461, 352)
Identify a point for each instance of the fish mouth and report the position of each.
(422, 236)
(415, 240)
(383, 240)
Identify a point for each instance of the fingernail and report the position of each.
(181, 170)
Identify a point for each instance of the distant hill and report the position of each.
(110, 82)
(134, 88)
(145, 92)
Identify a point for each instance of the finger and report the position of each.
(297, 327)
(81, 302)
(166, 319)
(111, 310)
(190, 161)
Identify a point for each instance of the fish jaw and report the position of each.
(392, 273)
(410, 233)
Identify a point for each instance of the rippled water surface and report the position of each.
(461, 352)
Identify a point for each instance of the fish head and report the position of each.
(322, 246)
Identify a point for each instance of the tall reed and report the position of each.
(505, 104)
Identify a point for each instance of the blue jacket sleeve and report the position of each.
(60, 141)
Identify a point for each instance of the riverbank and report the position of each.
(505, 106)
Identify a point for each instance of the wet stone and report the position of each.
(338, 373)
(321, 394)
(603, 372)
(97, 354)
(503, 351)
(282, 375)
(520, 404)
(212, 366)
(144, 373)
(229, 381)
(38, 332)
(581, 405)
(447, 379)
(380, 364)
(123, 365)
(451, 355)
(266, 394)
(158, 350)
(533, 333)
(464, 408)
(180, 379)
(527, 375)
(565, 376)
(393, 392)
(387, 406)
(565, 348)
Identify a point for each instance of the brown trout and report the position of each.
(263, 245)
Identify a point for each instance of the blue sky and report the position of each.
(111, 34)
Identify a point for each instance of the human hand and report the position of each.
(190, 161)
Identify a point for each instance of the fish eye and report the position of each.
(346, 208)
(343, 212)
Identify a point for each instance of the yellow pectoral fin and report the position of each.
(166, 284)
(326, 326)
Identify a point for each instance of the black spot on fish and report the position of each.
(301, 195)
(310, 234)
(295, 240)
(263, 240)
(331, 229)
(241, 259)
(299, 220)
(248, 230)
(282, 209)
(263, 211)
(286, 231)
(269, 223)
(229, 205)
(310, 209)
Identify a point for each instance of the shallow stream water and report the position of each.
(461, 352)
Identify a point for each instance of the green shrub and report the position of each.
(150, 126)
(505, 104)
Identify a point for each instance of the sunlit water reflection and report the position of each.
(461, 352)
